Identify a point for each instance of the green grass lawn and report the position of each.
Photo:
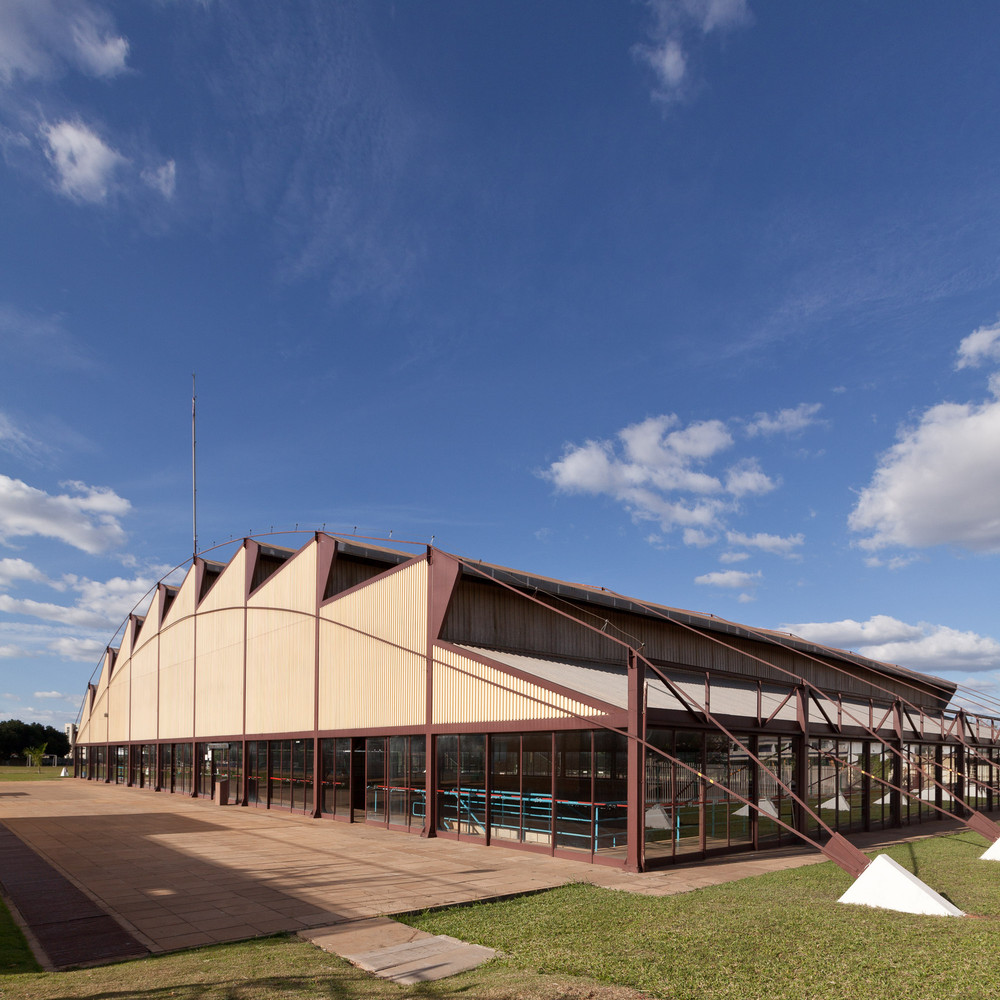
(777, 936)
(23, 773)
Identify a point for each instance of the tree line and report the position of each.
(17, 736)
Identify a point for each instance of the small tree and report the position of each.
(35, 754)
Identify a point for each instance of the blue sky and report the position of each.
(698, 300)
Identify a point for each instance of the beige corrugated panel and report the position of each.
(145, 670)
(293, 586)
(182, 604)
(771, 698)
(603, 682)
(281, 671)
(373, 653)
(219, 678)
(281, 648)
(125, 646)
(83, 730)
(467, 691)
(227, 591)
(99, 719)
(118, 702)
(732, 697)
(176, 680)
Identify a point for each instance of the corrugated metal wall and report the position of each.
(467, 691)
(219, 677)
(373, 653)
(281, 648)
(482, 614)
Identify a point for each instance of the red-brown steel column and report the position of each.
(636, 812)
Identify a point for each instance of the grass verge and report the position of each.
(8, 773)
(15, 955)
(777, 936)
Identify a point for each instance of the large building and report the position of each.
(451, 698)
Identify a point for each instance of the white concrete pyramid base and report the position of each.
(766, 806)
(930, 794)
(838, 802)
(889, 886)
(992, 853)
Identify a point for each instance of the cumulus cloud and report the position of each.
(775, 544)
(75, 648)
(85, 165)
(731, 578)
(788, 421)
(86, 517)
(938, 484)
(677, 26)
(924, 646)
(663, 471)
(100, 605)
(980, 346)
(49, 694)
(14, 571)
(42, 38)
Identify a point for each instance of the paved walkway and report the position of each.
(181, 873)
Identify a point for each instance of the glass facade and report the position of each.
(566, 791)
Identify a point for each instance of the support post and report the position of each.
(636, 765)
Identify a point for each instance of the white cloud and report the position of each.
(20, 570)
(88, 520)
(746, 478)
(677, 24)
(40, 38)
(734, 557)
(10, 652)
(52, 612)
(668, 473)
(980, 346)
(775, 544)
(924, 647)
(162, 179)
(731, 578)
(85, 165)
(938, 485)
(789, 421)
(49, 694)
(80, 650)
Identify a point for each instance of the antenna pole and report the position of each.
(194, 470)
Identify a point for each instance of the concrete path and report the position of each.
(180, 873)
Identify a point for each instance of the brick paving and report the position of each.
(178, 873)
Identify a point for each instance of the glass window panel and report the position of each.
(505, 787)
(375, 783)
(536, 788)
(447, 783)
(574, 810)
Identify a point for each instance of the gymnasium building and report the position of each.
(439, 696)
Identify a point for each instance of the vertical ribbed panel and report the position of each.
(373, 653)
(83, 730)
(467, 691)
(144, 668)
(125, 646)
(118, 702)
(176, 680)
(177, 664)
(99, 718)
(219, 678)
(281, 648)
